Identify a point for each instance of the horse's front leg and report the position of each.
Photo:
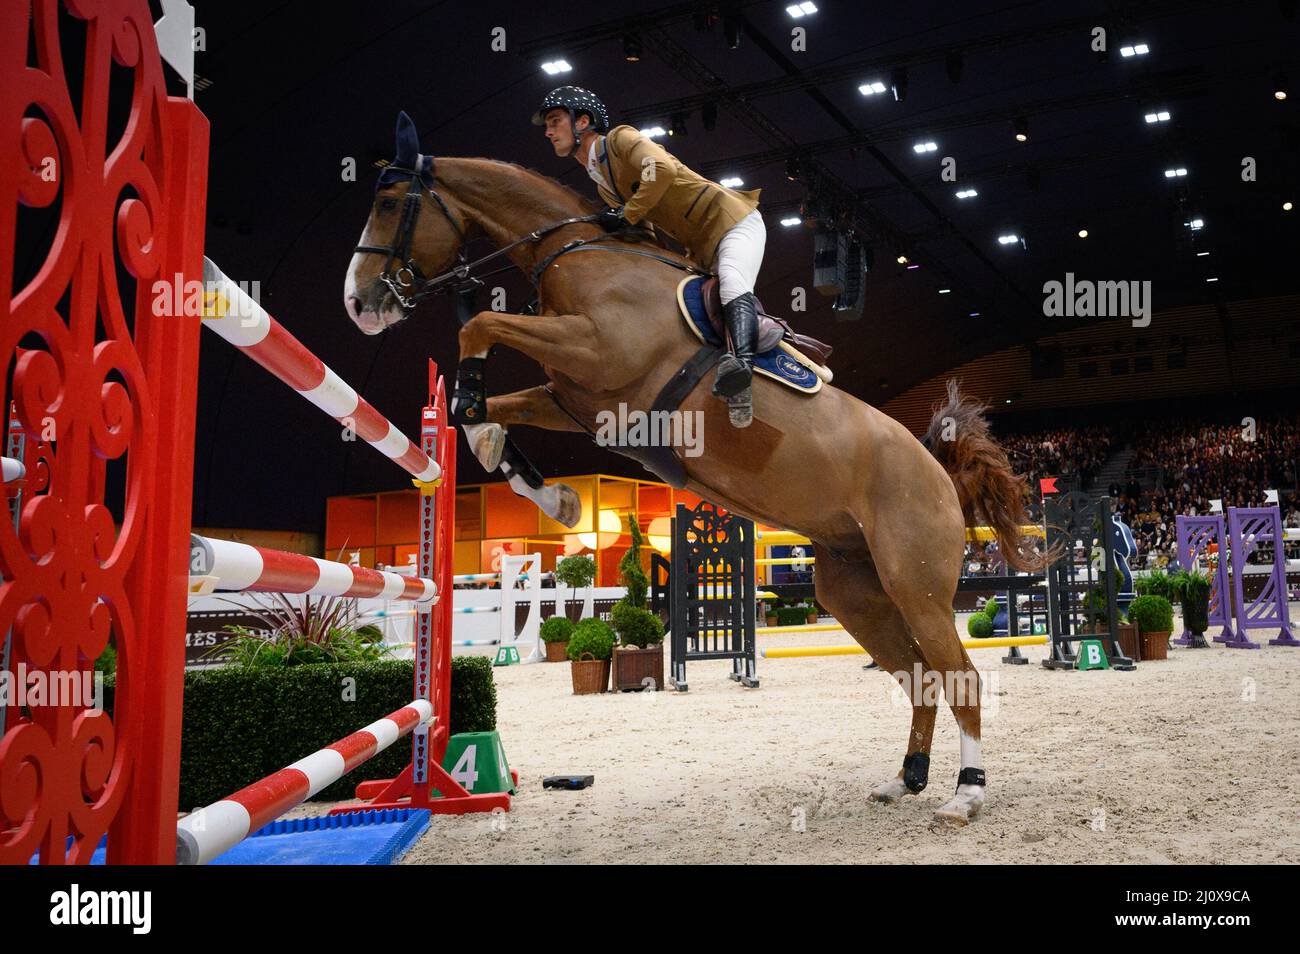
(570, 342)
(533, 406)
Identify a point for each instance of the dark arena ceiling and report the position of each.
(294, 89)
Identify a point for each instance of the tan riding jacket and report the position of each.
(652, 184)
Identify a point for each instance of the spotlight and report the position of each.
(792, 170)
(966, 193)
(902, 260)
(1009, 239)
(923, 147)
(898, 83)
(1175, 173)
(872, 88)
(1196, 224)
(709, 116)
(556, 66)
(1286, 206)
(1279, 87)
(1137, 49)
(1083, 233)
(632, 48)
(954, 63)
(1021, 128)
(797, 10)
(732, 182)
(1159, 117)
(791, 220)
(677, 126)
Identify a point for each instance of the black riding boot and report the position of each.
(736, 366)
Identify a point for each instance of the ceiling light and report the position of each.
(653, 132)
(1202, 254)
(1021, 127)
(1196, 224)
(921, 147)
(1177, 173)
(1083, 233)
(792, 220)
(797, 10)
(632, 48)
(872, 88)
(973, 314)
(902, 260)
(1286, 206)
(945, 291)
(1279, 87)
(1158, 117)
(732, 182)
(556, 66)
(966, 193)
(1211, 279)
(1008, 239)
(1137, 49)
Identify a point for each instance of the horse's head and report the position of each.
(413, 233)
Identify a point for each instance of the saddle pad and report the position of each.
(781, 363)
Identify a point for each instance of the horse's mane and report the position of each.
(561, 191)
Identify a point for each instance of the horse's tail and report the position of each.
(990, 492)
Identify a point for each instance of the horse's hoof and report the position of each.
(488, 441)
(561, 503)
(889, 792)
(961, 808)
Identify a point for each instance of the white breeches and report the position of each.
(739, 256)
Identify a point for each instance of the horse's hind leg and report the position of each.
(854, 595)
(923, 590)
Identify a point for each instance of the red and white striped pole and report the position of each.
(245, 324)
(207, 832)
(239, 567)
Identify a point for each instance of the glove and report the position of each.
(612, 220)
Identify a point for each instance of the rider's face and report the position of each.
(558, 132)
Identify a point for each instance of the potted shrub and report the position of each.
(1154, 616)
(814, 612)
(555, 634)
(1193, 591)
(574, 572)
(767, 612)
(639, 658)
(791, 615)
(590, 648)
(979, 626)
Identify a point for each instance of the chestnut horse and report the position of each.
(887, 514)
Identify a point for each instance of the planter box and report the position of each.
(589, 675)
(1127, 636)
(638, 669)
(557, 652)
(1154, 646)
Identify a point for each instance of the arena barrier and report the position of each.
(526, 639)
(995, 642)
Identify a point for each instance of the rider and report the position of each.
(720, 228)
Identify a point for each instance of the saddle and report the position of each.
(771, 329)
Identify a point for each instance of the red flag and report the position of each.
(1047, 485)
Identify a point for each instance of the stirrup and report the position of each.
(740, 408)
(733, 376)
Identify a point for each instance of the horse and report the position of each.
(887, 513)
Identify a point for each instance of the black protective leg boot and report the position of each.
(736, 367)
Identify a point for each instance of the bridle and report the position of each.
(407, 282)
